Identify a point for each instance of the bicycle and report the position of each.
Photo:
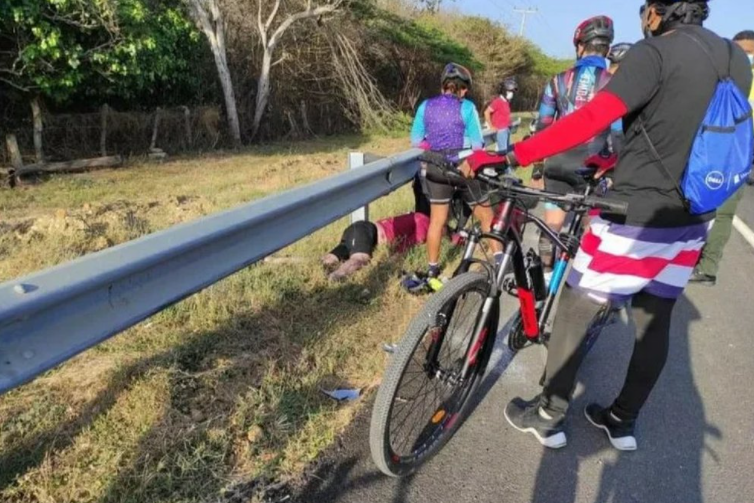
(442, 357)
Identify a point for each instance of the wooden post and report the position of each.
(71, 166)
(156, 128)
(36, 113)
(103, 130)
(187, 124)
(13, 151)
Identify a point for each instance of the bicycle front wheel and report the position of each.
(423, 397)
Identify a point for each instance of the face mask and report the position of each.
(509, 96)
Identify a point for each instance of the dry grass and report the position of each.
(215, 397)
(219, 390)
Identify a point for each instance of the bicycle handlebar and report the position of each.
(611, 205)
(512, 184)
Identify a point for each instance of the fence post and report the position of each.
(103, 131)
(36, 112)
(355, 161)
(187, 126)
(155, 130)
(14, 152)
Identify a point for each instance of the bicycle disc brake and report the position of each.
(517, 339)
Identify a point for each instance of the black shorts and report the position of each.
(560, 172)
(440, 188)
(359, 237)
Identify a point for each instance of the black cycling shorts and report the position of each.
(359, 237)
(440, 188)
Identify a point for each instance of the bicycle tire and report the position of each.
(380, 435)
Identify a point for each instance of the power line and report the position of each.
(524, 14)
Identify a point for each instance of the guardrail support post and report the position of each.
(356, 160)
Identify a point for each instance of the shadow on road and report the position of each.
(339, 482)
(668, 465)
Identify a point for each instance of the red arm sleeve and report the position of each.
(573, 130)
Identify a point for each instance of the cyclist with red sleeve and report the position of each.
(663, 90)
(567, 93)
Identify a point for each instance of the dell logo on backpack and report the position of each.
(715, 180)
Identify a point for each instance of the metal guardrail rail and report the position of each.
(48, 317)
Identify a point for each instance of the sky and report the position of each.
(552, 28)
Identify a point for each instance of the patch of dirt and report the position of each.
(103, 225)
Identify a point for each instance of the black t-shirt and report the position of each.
(668, 81)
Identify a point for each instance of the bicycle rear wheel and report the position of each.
(423, 398)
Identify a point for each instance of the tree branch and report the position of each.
(16, 86)
(273, 14)
(308, 13)
(201, 18)
(282, 58)
(260, 26)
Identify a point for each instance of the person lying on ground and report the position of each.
(360, 239)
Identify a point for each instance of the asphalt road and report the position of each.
(696, 434)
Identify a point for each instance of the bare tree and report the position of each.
(270, 40)
(207, 16)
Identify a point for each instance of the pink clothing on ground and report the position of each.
(404, 231)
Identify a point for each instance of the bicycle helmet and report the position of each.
(685, 11)
(618, 52)
(508, 85)
(596, 28)
(456, 71)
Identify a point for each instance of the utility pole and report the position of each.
(524, 13)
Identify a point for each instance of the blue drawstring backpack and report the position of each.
(723, 150)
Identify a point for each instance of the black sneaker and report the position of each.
(529, 417)
(699, 278)
(620, 433)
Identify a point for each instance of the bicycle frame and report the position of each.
(507, 229)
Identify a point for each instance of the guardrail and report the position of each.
(48, 317)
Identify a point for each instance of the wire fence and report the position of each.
(111, 132)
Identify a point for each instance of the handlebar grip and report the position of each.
(611, 205)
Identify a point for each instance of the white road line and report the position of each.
(744, 230)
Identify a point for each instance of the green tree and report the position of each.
(61, 48)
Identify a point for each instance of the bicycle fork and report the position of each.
(481, 329)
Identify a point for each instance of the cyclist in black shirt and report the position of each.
(645, 258)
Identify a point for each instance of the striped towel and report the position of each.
(617, 261)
